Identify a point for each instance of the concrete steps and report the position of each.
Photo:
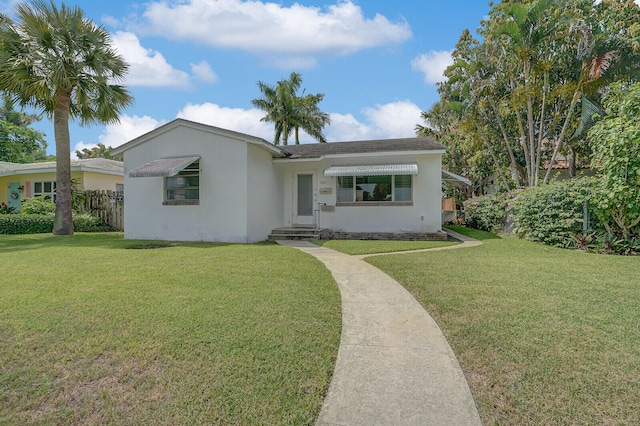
(294, 233)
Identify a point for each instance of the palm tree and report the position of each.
(58, 61)
(99, 151)
(290, 112)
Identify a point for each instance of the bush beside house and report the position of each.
(554, 215)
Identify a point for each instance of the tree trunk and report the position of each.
(63, 222)
(515, 174)
(574, 101)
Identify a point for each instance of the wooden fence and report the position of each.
(106, 205)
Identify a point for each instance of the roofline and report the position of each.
(359, 155)
(52, 169)
(181, 122)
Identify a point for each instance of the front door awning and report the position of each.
(163, 167)
(373, 170)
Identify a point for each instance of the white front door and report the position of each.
(304, 199)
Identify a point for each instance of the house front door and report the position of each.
(14, 195)
(304, 200)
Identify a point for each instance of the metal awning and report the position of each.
(163, 167)
(373, 170)
(454, 179)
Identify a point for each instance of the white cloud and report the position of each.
(392, 120)
(271, 28)
(432, 65)
(237, 119)
(147, 67)
(129, 128)
(203, 71)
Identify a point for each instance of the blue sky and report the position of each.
(376, 61)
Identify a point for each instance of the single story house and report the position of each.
(21, 181)
(187, 181)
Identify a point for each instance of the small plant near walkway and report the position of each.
(544, 335)
(355, 247)
(92, 333)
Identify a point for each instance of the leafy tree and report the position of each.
(529, 90)
(19, 143)
(290, 112)
(56, 60)
(616, 140)
(99, 151)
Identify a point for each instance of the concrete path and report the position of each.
(394, 366)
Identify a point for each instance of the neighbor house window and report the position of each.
(381, 189)
(185, 186)
(47, 189)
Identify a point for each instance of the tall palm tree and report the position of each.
(290, 112)
(56, 60)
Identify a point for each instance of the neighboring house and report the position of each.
(193, 182)
(21, 181)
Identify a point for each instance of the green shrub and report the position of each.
(40, 224)
(26, 224)
(6, 209)
(488, 212)
(86, 223)
(38, 205)
(552, 214)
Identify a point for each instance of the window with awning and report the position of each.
(379, 183)
(181, 178)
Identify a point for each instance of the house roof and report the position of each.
(180, 122)
(318, 150)
(95, 165)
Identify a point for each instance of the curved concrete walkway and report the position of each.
(394, 366)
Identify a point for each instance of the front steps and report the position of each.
(294, 233)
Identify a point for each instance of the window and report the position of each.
(184, 188)
(46, 189)
(379, 189)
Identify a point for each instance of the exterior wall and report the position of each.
(222, 212)
(95, 181)
(423, 216)
(88, 180)
(265, 200)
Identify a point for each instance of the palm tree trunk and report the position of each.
(533, 173)
(540, 131)
(565, 126)
(515, 174)
(63, 222)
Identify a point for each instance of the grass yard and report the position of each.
(93, 333)
(354, 247)
(544, 335)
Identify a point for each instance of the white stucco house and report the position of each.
(187, 181)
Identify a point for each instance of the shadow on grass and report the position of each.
(109, 240)
(474, 233)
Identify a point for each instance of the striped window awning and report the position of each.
(373, 170)
(163, 167)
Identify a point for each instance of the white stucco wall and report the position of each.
(222, 214)
(265, 195)
(423, 216)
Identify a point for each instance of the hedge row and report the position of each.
(40, 224)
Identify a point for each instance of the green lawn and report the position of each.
(544, 335)
(93, 333)
(379, 246)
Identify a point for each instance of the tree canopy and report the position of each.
(58, 61)
(291, 112)
(526, 91)
(18, 142)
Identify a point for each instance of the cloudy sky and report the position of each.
(376, 61)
